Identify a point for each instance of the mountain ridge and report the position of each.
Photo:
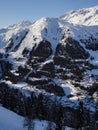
(23, 41)
(53, 57)
(84, 16)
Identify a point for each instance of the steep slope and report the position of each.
(83, 16)
(12, 121)
(55, 57)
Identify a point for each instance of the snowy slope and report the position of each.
(57, 57)
(12, 121)
(44, 28)
(83, 16)
(25, 37)
(12, 31)
(49, 29)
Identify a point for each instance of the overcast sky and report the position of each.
(15, 11)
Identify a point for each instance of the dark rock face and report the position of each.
(93, 46)
(16, 76)
(12, 77)
(60, 50)
(48, 67)
(1, 55)
(22, 71)
(43, 50)
(45, 84)
(91, 43)
(10, 45)
(25, 52)
(72, 49)
(53, 88)
(5, 66)
(38, 54)
(61, 60)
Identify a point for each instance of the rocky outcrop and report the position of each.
(43, 50)
(71, 49)
(91, 43)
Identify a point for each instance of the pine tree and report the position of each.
(40, 107)
(29, 123)
(59, 120)
(81, 114)
(50, 126)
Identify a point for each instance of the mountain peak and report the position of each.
(52, 60)
(84, 16)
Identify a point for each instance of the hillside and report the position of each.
(52, 64)
(88, 17)
(10, 120)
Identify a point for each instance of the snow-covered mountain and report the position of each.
(83, 16)
(57, 57)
